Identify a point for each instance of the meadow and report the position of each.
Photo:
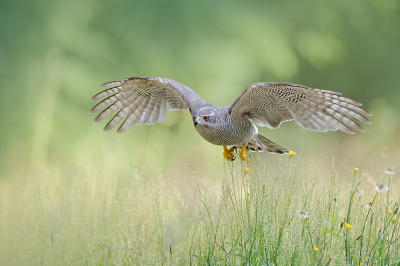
(288, 213)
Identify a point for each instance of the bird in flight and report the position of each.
(145, 100)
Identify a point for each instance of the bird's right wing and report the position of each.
(270, 104)
(143, 100)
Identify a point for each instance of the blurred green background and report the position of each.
(55, 54)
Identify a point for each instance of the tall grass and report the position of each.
(300, 216)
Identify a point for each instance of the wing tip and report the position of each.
(121, 130)
(345, 128)
(111, 84)
(92, 111)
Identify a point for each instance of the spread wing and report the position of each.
(270, 104)
(143, 100)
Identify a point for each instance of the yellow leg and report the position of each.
(228, 154)
(244, 153)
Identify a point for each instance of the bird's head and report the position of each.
(205, 117)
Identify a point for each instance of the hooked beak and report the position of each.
(196, 121)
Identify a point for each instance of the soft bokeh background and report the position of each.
(55, 54)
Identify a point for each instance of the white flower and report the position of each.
(302, 214)
(369, 206)
(390, 172)
(335, 202)
(359, 191)
(381, 188)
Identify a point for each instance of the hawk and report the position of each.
(145, 100)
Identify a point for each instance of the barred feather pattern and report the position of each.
(261, 143)
(142, 100)
(270, 104)
(145, 100)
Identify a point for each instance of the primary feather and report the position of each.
(270, 104)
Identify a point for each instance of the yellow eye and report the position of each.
(206, 118)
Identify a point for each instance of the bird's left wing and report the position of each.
(143, 100)
(270, 104)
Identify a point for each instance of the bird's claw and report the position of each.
(228, 154)
(244, 153)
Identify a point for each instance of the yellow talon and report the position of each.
(228, 154)
(244, 153)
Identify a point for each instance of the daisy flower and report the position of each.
(381, 188)
(302, 214)
(390, 172)
(359, 191)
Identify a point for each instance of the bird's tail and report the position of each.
(261, 143)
